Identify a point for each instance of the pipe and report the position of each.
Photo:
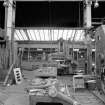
(56, 94)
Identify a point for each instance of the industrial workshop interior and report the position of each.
(52, 52)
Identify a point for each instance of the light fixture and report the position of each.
(5, 4)
(96, 4)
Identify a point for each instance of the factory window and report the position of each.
(75, 55)
(70, 51)
(25, 54)
(82, 54)
(39, 57)
(61, 46)
(32, 54)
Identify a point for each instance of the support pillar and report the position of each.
(9, 26)
(87, 13)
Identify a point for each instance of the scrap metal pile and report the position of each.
(50, 87)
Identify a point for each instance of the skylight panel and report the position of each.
(77, 36)
(73, 34)
(37, 33)
(69, 34)
(49, 34)
(56, 32)
(46, 35)
(23, 35)
(60, 34)
(52, 31)
(16, 37)
(42, 35)
(29, 34)
(65, 32)
(32, 34)
(82, 35)
(19, 34)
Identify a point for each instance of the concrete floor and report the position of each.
(16, 95)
